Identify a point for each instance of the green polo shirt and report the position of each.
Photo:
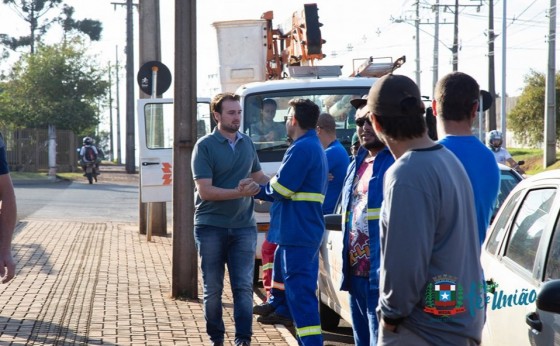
(214, 157)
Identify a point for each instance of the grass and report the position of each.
(533, 159)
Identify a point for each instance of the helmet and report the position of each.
(494, 140)
(88, 141)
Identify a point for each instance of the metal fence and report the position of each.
(27, 150)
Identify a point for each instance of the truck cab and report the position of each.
(155, 128)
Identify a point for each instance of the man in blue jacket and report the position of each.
(362, 195)
(297, 224)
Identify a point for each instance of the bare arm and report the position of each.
(208, 192)
(8, 216)
(260, 177)
(513, 164)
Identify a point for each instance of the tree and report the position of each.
(59, 85)
(34, 12)
(526, 119)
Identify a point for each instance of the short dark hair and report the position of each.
(216, 104)
(270, 102)
(402, 127)
(326, 122)
(456, 94)
(306, 113)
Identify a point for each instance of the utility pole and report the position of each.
(111, 113)
(152, 216)
(491, 121)
(184, 271)
(130, 164)
(550, 97)
(504, 96)
(118, 100)
(435, 75)
(455, 48)
(417, 25)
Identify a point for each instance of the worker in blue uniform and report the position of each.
(298, 190)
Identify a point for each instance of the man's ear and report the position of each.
(474, 110)
(374, 123)
(434, 108)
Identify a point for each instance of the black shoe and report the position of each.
(263, 309)
(244, 343)
(274, 318)
(217, 343)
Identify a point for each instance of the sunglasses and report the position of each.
(362, 120)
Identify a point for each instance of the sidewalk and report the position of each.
(102, 283)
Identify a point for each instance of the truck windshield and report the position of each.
(264, 116)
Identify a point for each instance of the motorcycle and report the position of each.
(91, 171)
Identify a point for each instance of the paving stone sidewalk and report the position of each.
(82, 283)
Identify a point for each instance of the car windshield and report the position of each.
(265, 114)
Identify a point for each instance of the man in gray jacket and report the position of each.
(430, 276)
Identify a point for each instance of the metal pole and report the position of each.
(550, 97)
(491, 123)
(455, 48)
(119, 149)
(111, 147)
(130, 124)
(503, 96)
(417, 25)
(435, 75)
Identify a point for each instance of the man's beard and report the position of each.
(374, 144)
(230, 128)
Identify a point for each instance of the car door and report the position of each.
(512, 260)
(155, 137)
(545, 323)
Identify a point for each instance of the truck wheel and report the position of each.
(329, 317)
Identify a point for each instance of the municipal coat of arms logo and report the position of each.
(444, 297)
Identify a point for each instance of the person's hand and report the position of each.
(7, 267)
(247, 187)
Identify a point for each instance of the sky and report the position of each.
(365, 28)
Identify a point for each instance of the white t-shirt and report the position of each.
(501, 156)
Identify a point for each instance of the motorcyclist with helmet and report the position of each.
(86, 157)
(494, 141)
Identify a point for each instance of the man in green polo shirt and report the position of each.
(225, 228)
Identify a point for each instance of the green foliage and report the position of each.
(59, 85)
(34, 12)
(526, 119)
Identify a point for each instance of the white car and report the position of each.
(334, 302)
(521, 262)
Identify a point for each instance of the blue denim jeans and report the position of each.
(234, 247)
(363, 302)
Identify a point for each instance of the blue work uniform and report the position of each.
(365, 296)
(297, 226)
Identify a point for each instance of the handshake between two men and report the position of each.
(248, 187)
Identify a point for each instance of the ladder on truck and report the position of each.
(376, 67)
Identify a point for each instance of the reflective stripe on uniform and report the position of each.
(308, 197)
(280, 189)
(268, 266)
(296, 196)
(373, 213)
(308, 331)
